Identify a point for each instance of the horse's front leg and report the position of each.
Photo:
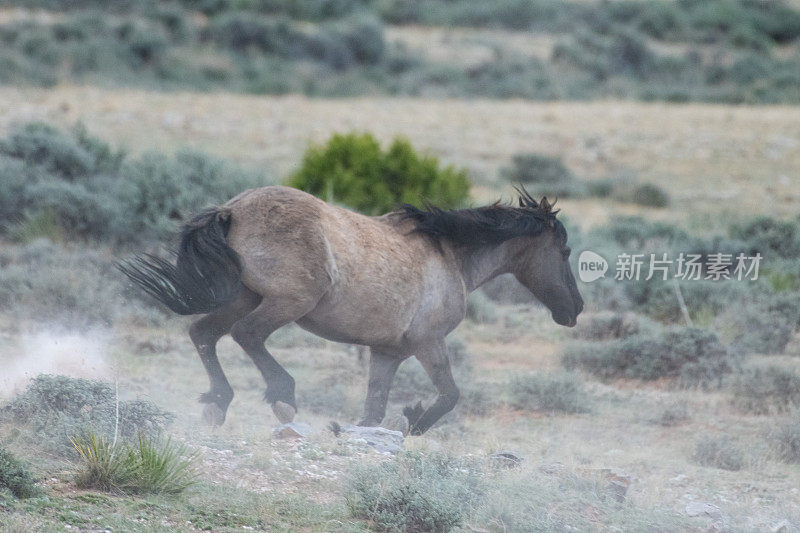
(434, 359)
(382, 368)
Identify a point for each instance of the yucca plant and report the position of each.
(142, 467)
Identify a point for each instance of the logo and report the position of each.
(591, 266)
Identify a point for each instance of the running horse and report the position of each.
(397, 283)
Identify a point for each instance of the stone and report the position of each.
(380, 439)
(292, 430)
(704, 509)
(506, 458)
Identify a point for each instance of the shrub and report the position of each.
(352, 169)
(609, 325)
(764, 391)
(785, 440)
(84, 189)
(672, 415)
(718, 452)
(481, 309)
(544, 175)
(560, 393)
(414, 493)
(72, 287)
(768, 236)
(15, 477)
(142, 467)
(58, 408)
(650, 195)
(692, 356)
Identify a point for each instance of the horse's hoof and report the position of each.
(212, 415)
(283, 412)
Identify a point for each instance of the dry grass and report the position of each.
(713, 160)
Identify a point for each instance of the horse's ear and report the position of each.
(521, 201)
(545, 205)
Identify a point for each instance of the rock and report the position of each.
(706, 510)
(506, 458)
(292, 430)
(380, 439)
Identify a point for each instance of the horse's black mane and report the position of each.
(491, 224)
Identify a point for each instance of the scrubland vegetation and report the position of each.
(721, 50)
(644, 413)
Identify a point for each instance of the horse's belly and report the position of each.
(357, 325)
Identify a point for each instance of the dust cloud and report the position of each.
(69, 353)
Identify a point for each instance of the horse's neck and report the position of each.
(479, 265)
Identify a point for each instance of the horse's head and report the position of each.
(542, 265)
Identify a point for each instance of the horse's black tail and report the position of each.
(207, 274)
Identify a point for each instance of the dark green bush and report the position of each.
(694, 357)
(353, 170)
(719, 452)
(58, 408)
(559, 393)
(15, 477)
(763, 391)
(414, 493)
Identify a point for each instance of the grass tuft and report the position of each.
(139, 468)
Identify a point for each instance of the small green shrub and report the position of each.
(763, 391)
(650, 195)
(719, 452)
(785, 441)
(544, 175)
(559, 393)
(353, 170)
(57, 408)
(142, 467)
(694, 357)
(15, 477)
(413, 493)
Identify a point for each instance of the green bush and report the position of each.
(353, 170)
(650, 195)
(559, 393)
(413, 493)
(15, 477)
(763, 391)
(140, 468)
(694, 357)
(719, 452)
(58, 408)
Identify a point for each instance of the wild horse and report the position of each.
(397, 283)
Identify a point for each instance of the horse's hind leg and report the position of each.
(252, 331)
(204, 334)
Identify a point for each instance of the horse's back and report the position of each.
(370, 274)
